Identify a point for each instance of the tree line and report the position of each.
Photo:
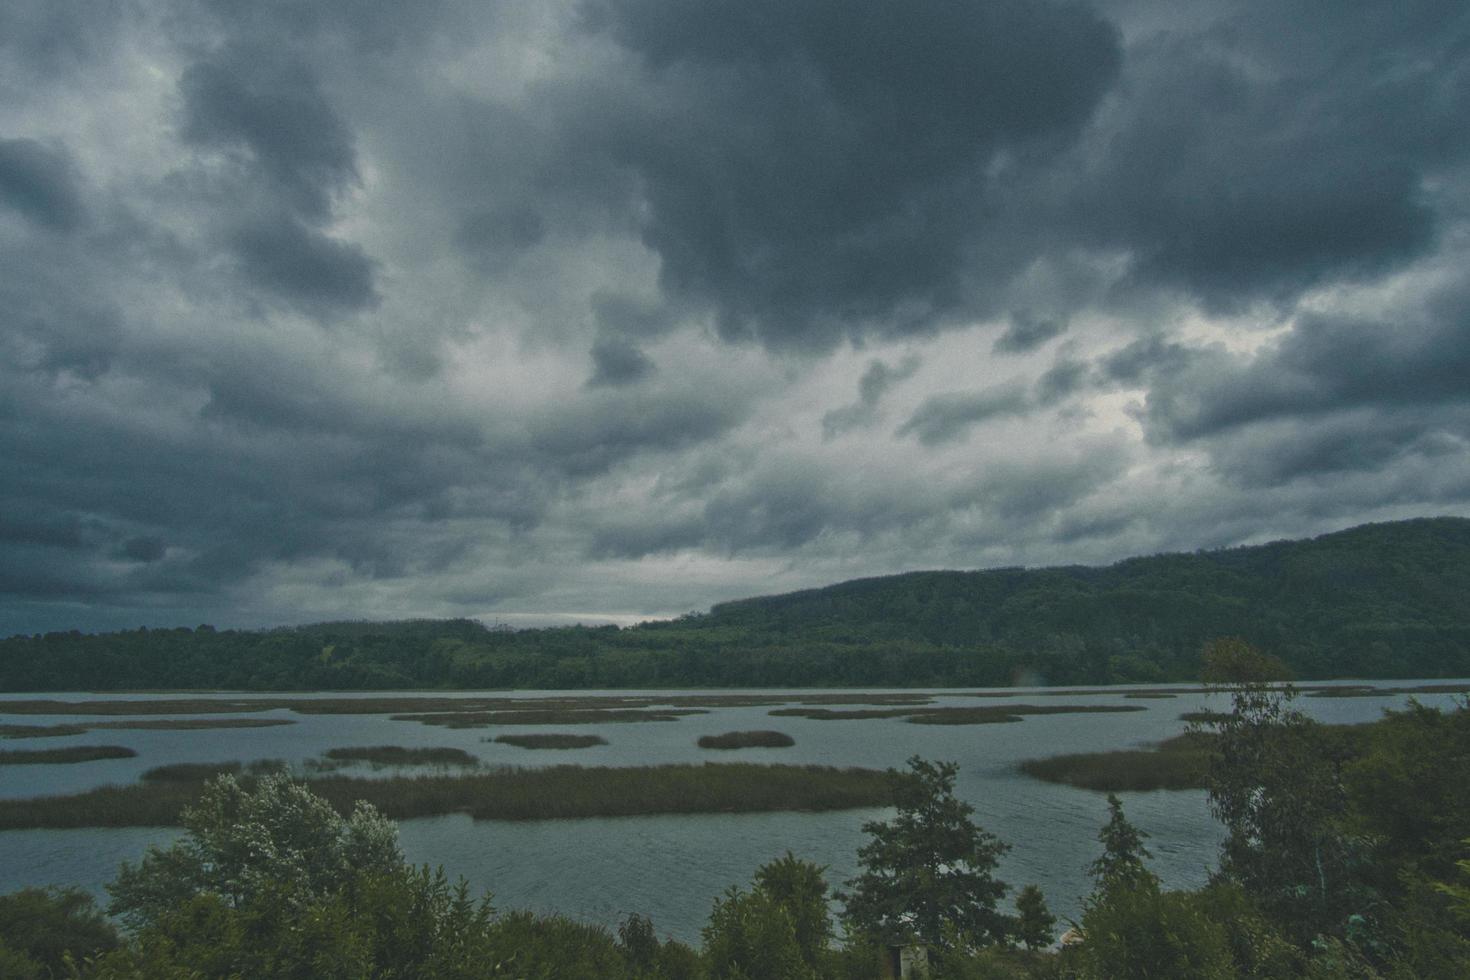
(1377, 601)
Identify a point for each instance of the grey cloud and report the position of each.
(1261, 153)
(948, 417)
(1026, 332)
(314, 271)
(1012, 493)
(496, 237)
(1325, 363)
(816, 168)
(40, 183)
(617, 362)
(872, 386)
(1063, 379)
(272, 106)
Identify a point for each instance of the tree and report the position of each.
(799, 888)
(750, 936)
(1034, 921)
(280, 841)
(929, 872)
(41, 927)
(1121, 863)
(1276, 782)
(270, 881)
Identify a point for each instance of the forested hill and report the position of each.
(1382, 600)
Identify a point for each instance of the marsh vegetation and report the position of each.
(72, 753)
(747, 740)
(550, 740)
(501, 794)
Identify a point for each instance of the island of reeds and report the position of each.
(501, 794)
(747, 740)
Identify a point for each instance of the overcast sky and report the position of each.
(604, 310)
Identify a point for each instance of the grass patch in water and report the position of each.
(397, 755)
(1379, 692)
(72, 753)
(1181, 762)
(549, 716)
(555, 792)
(190, 724)
(197, 772)
(747, 740)
(40, 731)
(550, 740)
(977, 715)
(1205, 717)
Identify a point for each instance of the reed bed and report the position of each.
(174, 706)
(40, 731)
(189, 724)
(976, 715)
(1181, 762)
(1205, 717)
(596, 716)
(557, 792)
(747, 740)
(198, 772)
(549, 740)
(70, 754)
(397, 755)
(1376, 692)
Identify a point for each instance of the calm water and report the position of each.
(672, 867)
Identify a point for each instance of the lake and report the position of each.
(671, 868)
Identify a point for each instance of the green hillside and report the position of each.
(1382, 600)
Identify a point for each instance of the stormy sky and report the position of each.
(603, 310)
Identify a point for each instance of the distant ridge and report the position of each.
(1379, 600)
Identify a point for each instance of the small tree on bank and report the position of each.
(929, 872)
(1034, 921)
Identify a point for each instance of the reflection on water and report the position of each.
(672, 867)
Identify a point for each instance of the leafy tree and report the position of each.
(1276, 782)
(279, 842)
(1034, 921)
(1121, 862)
(750, 936)
(42, 926)
(272, 882)
(1138, 932)
(799, 888)
(929, 872)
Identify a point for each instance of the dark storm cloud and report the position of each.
(497, 236)
(1265, 147)
(301, 265)
(872, 386)
(948, 417)
(271, 106)
(39, 183)
(1323, 364)
(1027, 332)
(617, 362)
(818, 167)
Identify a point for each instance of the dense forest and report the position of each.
(1381, 600)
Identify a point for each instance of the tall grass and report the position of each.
(1181, 762)
(988, 714)
(508, 794)
(550, 740)
(72, 753)
(397, 755)
(747, 740)
(550, 716)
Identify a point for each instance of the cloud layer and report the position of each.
(609, 309)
